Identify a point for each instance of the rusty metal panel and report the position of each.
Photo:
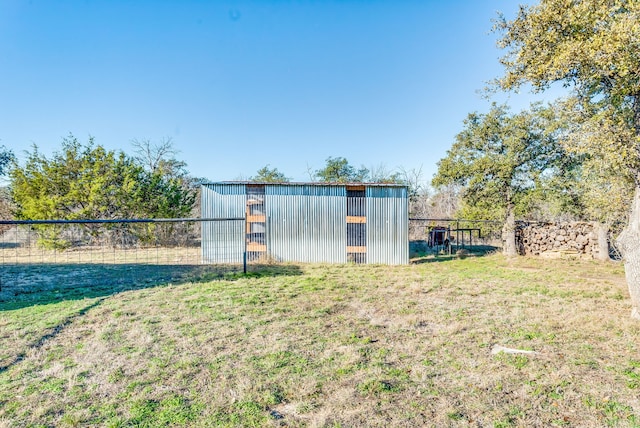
(387, 225)
(223, 241)
(306, 223)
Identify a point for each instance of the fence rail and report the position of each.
(152, 241)
(111, 221)
(45, 260)
(46, 257)
(172, 241)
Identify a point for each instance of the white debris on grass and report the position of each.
(498, 348)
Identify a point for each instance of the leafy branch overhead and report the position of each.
(590, 46)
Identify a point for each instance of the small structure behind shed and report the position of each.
(438, 235)
(306, 222)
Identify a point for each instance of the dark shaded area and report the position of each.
(24, 285)
(357, 234)
(438, 256)
(53, 332)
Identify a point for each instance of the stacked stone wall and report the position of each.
(554, 239)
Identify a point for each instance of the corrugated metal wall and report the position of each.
(223, 241)
(387, 225)
(306, 223)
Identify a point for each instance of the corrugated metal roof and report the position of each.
(302, 183)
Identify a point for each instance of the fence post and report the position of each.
(244, 262)
(246, 238)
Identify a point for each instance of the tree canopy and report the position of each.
(338, 170)
(159, 157)
(269, 175)
(592, 47)
(86, 181)
(591, 44)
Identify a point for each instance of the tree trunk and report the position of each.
(629, 245)
(603, 242)
(509, 233)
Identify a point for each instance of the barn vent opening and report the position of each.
(256, 223)
(356, 224)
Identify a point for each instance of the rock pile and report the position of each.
(557, 239)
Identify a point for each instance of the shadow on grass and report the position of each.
(24, 285)
(52, 333)
(469, 251)
(29, 285)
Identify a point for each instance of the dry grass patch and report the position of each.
(346, 345)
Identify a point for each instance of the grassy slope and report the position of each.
(319, 345)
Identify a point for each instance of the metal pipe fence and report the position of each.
(110, 255)
(178, 242)
(140, 241)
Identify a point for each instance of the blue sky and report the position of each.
(241, 84)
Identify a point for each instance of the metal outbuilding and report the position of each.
(306, 222)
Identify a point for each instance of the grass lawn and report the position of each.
(323, 345)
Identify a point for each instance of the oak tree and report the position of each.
(590, 46)
(498, 159)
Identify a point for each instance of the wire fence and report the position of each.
(107, 256)
(50, 255)
(179, 241)
(137, 241)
